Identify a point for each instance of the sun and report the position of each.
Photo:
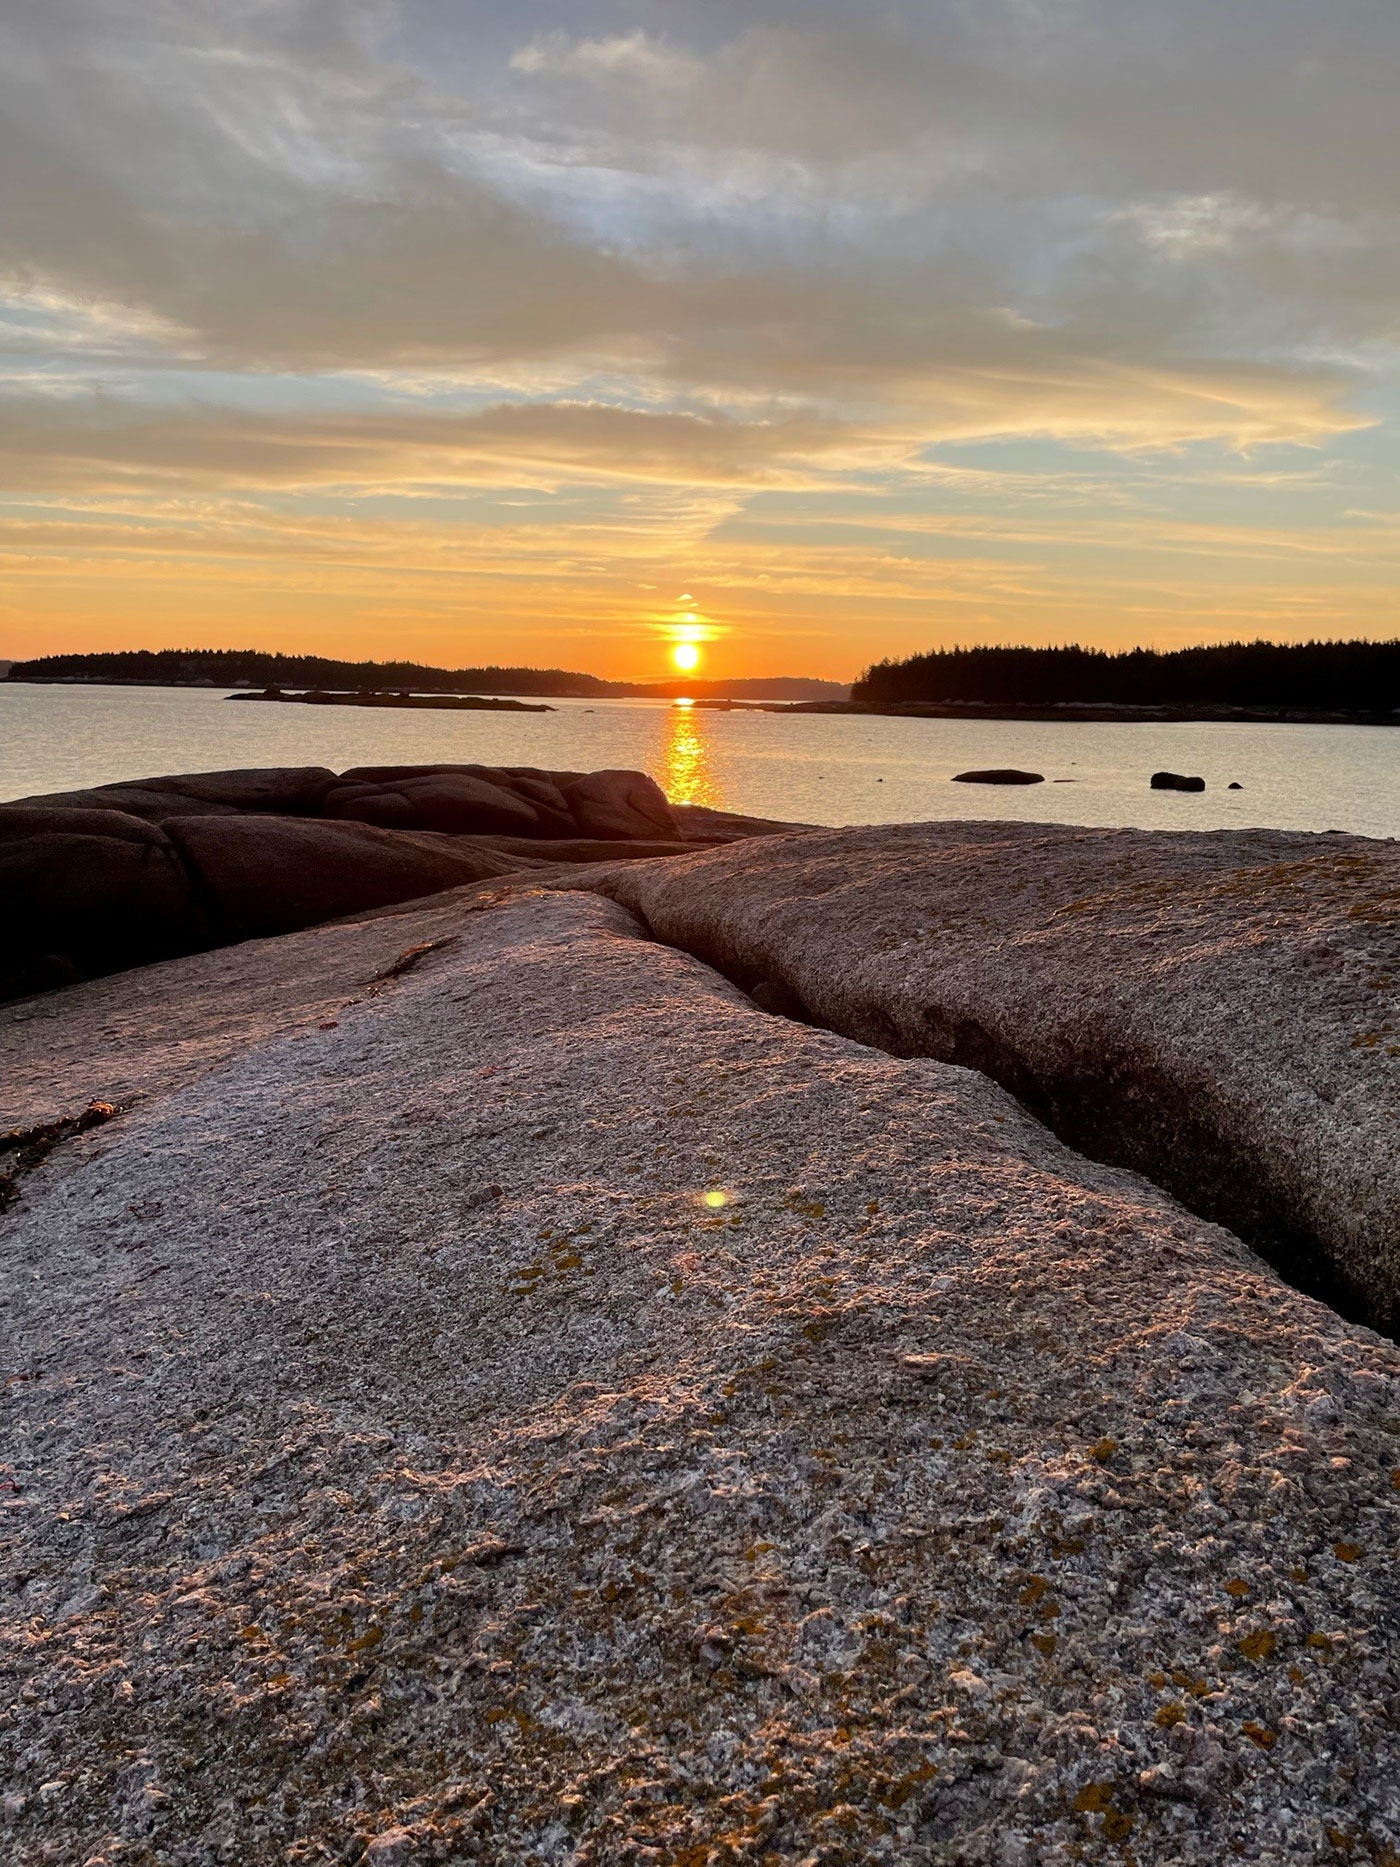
(686, 656)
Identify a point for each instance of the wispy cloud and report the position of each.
(348, 276)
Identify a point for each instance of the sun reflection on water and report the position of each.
(689, 776)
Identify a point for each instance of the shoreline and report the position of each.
(1076, 713)
(459, 703)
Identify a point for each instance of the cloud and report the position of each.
(727, 253)
(634, 59)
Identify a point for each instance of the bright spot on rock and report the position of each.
(716, 1198)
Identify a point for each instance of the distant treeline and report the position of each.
(1343, 677)
(239, 667)
(228, 667)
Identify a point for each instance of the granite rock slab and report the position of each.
(550, 1410)
(1220, 1011)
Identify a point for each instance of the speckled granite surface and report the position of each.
(1220, 1011)
(550, 1411)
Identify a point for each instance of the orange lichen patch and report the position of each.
(1104, 1450)
(1033, 1591)
(1068, 1546)
(1168, 1715)
(1319, 1643)
(1259, 1645)
(1045, 1644)
(1260, 1734)
(898, 1792)
(807, 1208)
(1237, 1587)
(1094, 1799)
(1347, 1552)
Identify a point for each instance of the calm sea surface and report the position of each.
(812, 768)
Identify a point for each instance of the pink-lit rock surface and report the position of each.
(405, 1458)
(1220, 1011)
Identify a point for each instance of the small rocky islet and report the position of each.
(649, 1337)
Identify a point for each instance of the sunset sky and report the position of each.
(473, 331)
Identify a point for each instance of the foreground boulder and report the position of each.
(297, 791)
(88, 891)
(145, 869)
(1220, 1011)
(478, 800)
(549, 1410)
(619, 805)
(448, 801)
(269, 875)
(500, 801)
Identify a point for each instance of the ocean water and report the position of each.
(813, 768)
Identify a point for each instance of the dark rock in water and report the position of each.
(87, 892)
(1174, 781)
(619, 805)
(1234, 786)
(269, 875)
(1008, 776)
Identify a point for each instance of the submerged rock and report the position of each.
(1009, 775)
(800, 1449)
(1218, 1010)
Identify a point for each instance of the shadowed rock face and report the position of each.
(86, 891)
(482, 800)
(271, 875)
(295, 791)
(408, 1420)
(1220, 1012)
(128, 873)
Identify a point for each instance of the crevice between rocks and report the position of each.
(1111, 1107)
(24, 1149)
